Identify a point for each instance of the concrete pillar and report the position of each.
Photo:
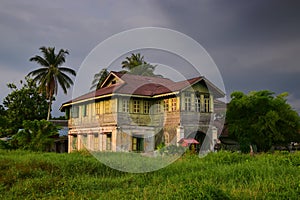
(114, 140)
(70, 141)
(180, 133)
(202, 103)
(213, 137)
(211, 103)
(104, 142)
(89, 145)
(78, 143)
(100, 135)
(149, 142)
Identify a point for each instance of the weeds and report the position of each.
(222, 175)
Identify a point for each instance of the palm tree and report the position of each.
(133, 61)
(50, 75)
(99, 78)
(135, 64)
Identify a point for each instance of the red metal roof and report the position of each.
(138, 85)
(187, 141)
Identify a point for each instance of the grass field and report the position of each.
(222, 175)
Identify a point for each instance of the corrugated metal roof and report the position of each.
(139, 85)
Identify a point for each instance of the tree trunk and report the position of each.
(251, 150)
(49, 109)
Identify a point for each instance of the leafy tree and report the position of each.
(262, 119)
(3, 122)
(22, 104)
(99, 78)
(36, 135)
(51, 75)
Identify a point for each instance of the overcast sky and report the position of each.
(255, 44)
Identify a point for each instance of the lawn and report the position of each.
(222, 175)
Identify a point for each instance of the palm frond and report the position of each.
(66, 78)
(38, 71)
(38, 59)
(68, 70)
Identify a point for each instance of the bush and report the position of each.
(36, 135)
(172, 150)
(4, 145)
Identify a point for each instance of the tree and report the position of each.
(133, 61)
(51, 75)
(36, 135)
(99, 78)
(26, 103)
(3, 122)
(135, 64)
(262, 119)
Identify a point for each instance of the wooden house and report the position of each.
(136, 113)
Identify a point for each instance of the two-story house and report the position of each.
(136, 113)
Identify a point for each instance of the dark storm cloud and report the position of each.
(255, 43)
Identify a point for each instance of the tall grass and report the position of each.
(222, 175)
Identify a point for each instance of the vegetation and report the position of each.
(133, 61)
(99, 78)
(135, 64)
(262, 120)
(36, 136)
(221, 175)
(51, 75)
(21, 104)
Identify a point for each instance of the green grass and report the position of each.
(223, 175)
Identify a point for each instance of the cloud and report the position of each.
(254, 43)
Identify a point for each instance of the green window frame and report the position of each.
(108, 141)
(75, 111)
(84, 110)
(137, 144)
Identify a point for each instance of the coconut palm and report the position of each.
(51, 75)
(135, 64)
(99, 78)
(133, 61)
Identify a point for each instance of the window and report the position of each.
(166, 104)
(107, 106)
(174, 104)
(206, 103)
(97, 106)
(158, 107)
(84, 110)
(108, 141)
(136, 106)
(96, 141)
(197, 104)
(75, 111)
(187, 101)
(146, 107)
(125, 105)
(137, 144)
